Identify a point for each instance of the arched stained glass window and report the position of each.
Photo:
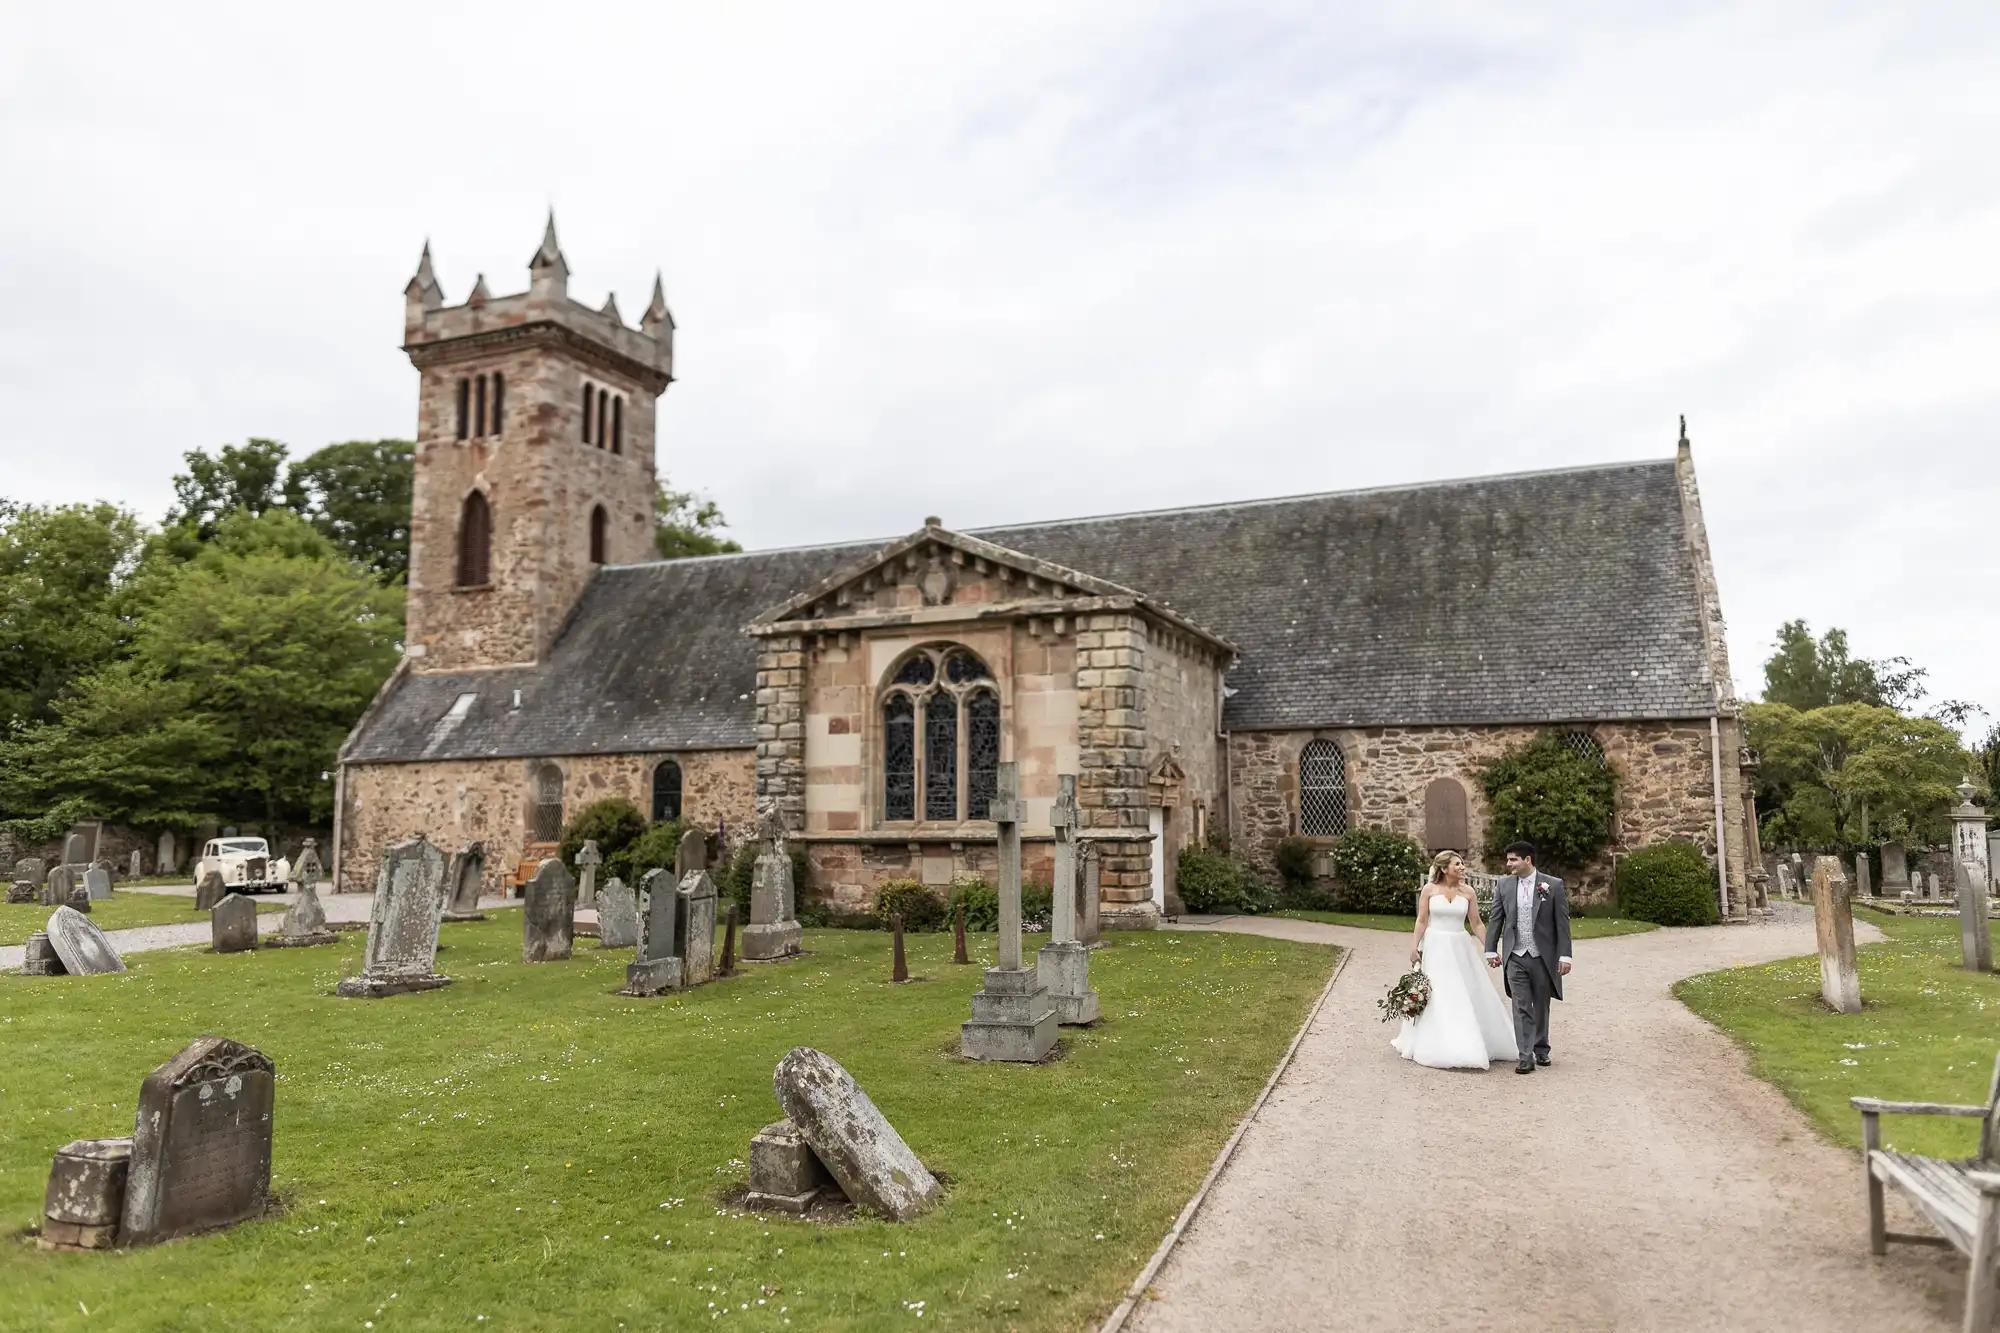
(603, 416)
(982, 752)
(942, 769)
(899, 757)
(666, 791)
(940, 755)
(1322, 791)
(464, 408)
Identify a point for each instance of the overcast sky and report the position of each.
(1003, 263)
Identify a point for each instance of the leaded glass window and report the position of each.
(548, 804)
(666, 791)
(919, 670)
(899, 757)
(943, 766)
(941, 755)
(1584, 744)
(982, 752)
(1322, 791)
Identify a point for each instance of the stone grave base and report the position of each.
(1130, 916)
(39, 958)
(1065, 970)
(463, 916)
(75, 1237)
(771, 941)
(1012, 1018)
(307, 940)
(375, 988)
(654, 978)
(786, 1176)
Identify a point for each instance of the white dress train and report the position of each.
(1466, 1024)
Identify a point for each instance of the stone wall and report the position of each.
(1664, 784)
(457, 802)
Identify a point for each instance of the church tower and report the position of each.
(534, 458)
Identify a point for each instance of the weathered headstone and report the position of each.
(1975, 932)
(305, 921)
(1833, 920)
(76, 850)
(232, 924)
(785, 1174)
(86, 1195)
(773, 932)
(694, 927)
(97, 883)
(1784, 881)
(401, 953)
(548, 916)
(21, 891)
(1933, 886)
(136, 865)
(209, 891)
(31, 869)
(81, 945)
(166, 857)
(79, 898)
(691, 853)
(201, 1143)
(588, 859)
(1012, 1018)
(857, 1144)
(1895, 868)
(59, 887)
(656, 967)
(464, 882)
(39, 957)
(1063, 964)
(1092, 928)
(1863, 873)
(617, 917)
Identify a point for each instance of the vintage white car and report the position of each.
(245, 865)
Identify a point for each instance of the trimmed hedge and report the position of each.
(920, 906)
(1670, 884)
(1217, 883)
(1377, 871)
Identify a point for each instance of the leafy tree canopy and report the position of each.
(59, 573)
(358, 494)
(686, 524)
(1853, 772)
(1806, 673)
(246, 476)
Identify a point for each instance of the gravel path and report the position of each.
(1644, 1181)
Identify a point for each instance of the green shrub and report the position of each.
(981, 901)
(735, 880)
(1038, 905)
(1298, 885)
(1377, 871)
(652, 850)
(614, 823)
(1670, 883)
(1216, 883)
(920, 906)
(1546, 793)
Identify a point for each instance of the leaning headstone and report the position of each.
(694, 928)
(86, 1195)
(857, 1144)
(1833, 919)
(136, 867)
(617, 917)
(1975, 936)
(588, 859)
(548, 916)
(1863, 873)
(39, 958)
(210, 891)
(81, 945)
(1063, 964)
(657, 966)
(97, 883)
(465, 879)
(401, 954)
(232, 924)
(785, 1174)
(59, 887)
(201, 1143)
(773, 931)
(1012, 1018)
(1895, 868)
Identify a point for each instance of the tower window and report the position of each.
(479, 407)
(603, 415)
(599, 522)
(666, 791)
(464, 407)
(618, 425)
(589, 397)
(499, 402)
(475, 542)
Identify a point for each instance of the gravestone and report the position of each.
(76, 850)
(1833, 920)
(81, 945)
(1975, 934)
(691, 853)
(1091, 929)
(31, 869)
(39, 958)
(1784, 881)
(1968, 835)
(855, 1141)
(305, 921)
(166, 857)
(79, 898)
(773, 932)
(548, 914)
(785, 1174)
(97, 883)
(1063, 964)
(1012, 1018)
(232, 925)
(136, 866)
(209, 891)
(617, 917)
(401, 955)
(21, 891)
(694, 928)
(86, 1195)
(59, 887)
(1993, 856)
(201, 1143)
(464, 882)
(1933, 887)
(1895, 868)
(1863, 873)
(588, 859)
(656, 967)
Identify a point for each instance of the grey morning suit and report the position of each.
(1529, 958)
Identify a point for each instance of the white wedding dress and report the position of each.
(1466, 1025)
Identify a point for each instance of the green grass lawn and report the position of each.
(121, 911)
(527, 1146)
(1928, 1031)
(1580, 927)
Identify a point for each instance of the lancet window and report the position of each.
(940, 737)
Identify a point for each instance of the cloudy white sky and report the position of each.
(1013, 262)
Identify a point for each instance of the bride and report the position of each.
(1465, 1025)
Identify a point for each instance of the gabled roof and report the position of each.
(1542, 597)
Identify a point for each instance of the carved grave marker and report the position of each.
(548, 917)
(773, 932)
(81, 945)
(657, 966)
(401, 955)
(463, 883)
(201, 1143)
(232, 925)
(617, 917)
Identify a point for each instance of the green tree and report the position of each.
(358, 495)
(685, 524)
(1853, 772)
(246, 477)
(1805, 674)
(1988, 755)
(1546, 793)
(60, 569)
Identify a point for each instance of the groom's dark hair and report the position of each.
(1525, 850)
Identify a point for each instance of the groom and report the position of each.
(1527, 933)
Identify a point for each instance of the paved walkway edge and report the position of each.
(1137, 1291)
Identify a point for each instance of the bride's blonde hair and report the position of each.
(1441, 863)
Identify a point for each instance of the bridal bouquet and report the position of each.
(1407, 998)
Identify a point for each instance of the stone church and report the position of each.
(1293, 666)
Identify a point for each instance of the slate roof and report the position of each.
(1542, 597)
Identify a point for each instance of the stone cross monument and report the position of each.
(773, 931)
(1063, 965)
(1012, 1018)
(1833, 918)
(588, 859)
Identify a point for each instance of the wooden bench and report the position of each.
(1961, 1199)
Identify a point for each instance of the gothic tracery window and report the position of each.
(1322, 790)
(940, 737)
